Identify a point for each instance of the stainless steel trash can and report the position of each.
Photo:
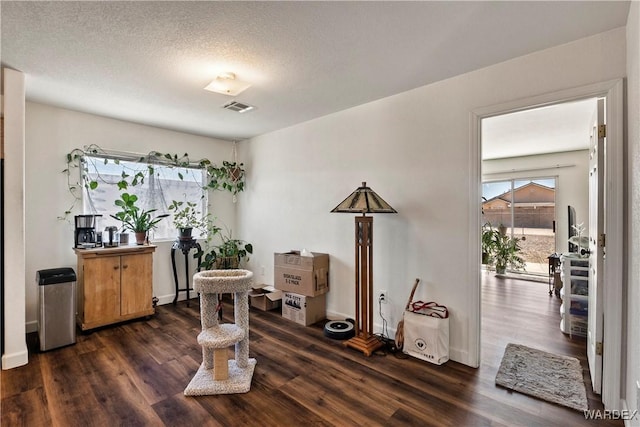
(57, 311)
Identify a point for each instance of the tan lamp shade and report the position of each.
(364, 200)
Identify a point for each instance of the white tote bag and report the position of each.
(426, 336)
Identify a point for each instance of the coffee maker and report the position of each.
(85, 233)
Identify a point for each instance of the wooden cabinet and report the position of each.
(114, 284)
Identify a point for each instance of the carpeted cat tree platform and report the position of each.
(217, 374)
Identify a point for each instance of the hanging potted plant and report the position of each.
(236, 173)
(133, 218)
(186, 217)
(229, 176)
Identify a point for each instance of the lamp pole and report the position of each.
(364, 340)
(362, 201)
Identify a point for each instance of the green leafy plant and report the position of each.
(229, 254)
(506, 253)
(228, 177)
(500, 250)
(186, 215)
(77, 160)
(489, 242)
(132, 217)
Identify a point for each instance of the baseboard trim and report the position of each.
(460, 356)
(334, 315)
(168, 299)
(456, 355)
(31, 326)
(14, 360)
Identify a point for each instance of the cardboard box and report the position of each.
(303, 309)
(304, 275)
(265, 298)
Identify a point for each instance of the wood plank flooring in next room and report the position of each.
(134, 374)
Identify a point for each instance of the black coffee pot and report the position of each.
(110, 237)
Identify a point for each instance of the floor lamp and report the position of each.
(364, 200)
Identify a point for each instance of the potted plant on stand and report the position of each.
(186, 217)
(227, 255)
(133, 218)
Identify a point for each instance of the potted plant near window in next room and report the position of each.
(489, 238)
(506, 253)
(186, 217)
(133, 218)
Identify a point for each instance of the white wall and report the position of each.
(15, 345)
(53, 132)
(572, 185)
(414, 150)
(633, 209)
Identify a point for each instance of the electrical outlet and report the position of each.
(382, 297)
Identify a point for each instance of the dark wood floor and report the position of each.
(134, 374)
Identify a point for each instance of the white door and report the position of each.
(596, 246)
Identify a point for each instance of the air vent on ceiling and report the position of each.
(238, 107)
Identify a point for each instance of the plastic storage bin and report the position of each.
(57, 310)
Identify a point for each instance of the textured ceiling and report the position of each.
(148, 62)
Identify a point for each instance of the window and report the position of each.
(160, 184)
(526, 207)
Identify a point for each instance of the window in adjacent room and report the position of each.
(526, 207)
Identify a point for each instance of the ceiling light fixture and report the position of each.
(227, 84)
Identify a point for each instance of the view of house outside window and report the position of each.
(167, 183)
(526, 207)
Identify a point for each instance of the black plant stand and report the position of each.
(185, 245)
(554, 274)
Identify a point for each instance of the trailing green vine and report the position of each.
(228, 177)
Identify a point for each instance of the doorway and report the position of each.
(612, 91)
(531, 173)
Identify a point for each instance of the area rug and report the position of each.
(547, 376)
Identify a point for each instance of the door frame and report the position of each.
(613, 92)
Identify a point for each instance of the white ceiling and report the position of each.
(560, 127)
(148, 62)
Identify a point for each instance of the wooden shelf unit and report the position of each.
(114, 285)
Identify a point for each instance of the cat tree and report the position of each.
(217, 374)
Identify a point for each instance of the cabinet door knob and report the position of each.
(125, 266)
(115, 267)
